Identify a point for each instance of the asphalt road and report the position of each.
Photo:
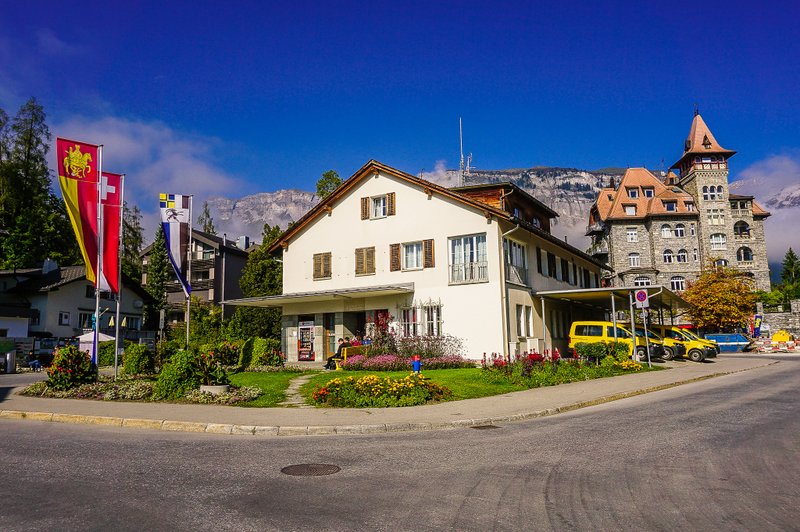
(722, 454)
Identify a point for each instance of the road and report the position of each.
(721, 454)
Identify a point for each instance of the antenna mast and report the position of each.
(461, 147)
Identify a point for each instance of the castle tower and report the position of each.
(730, 226)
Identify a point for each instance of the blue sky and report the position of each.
(239, 97)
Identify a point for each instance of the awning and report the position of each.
(323, 295)
(661, 298)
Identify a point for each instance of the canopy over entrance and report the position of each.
(323, 295)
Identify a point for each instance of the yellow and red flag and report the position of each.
(111, 200)
(78, 177)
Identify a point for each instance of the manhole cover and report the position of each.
(310, 470)
(484, 427)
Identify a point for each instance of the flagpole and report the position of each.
(99, 267)
(119, 273)
(189, 272)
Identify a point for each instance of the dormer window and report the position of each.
(633, 193)
(648, 192)
(630, 210)
(671, 206)
(706, 142)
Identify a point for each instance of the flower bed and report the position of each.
(373, 391)
(534, 370)
(399, 363)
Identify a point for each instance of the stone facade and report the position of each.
(707, 224)
(787, 321)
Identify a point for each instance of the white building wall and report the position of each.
(472, 312)
(14, 327)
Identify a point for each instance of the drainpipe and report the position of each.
(504, 292)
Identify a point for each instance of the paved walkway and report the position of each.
(315, 421)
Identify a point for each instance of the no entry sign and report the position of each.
(642, 299)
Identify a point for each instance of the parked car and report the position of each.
(697, 349)
(603, 331)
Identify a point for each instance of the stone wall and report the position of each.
(788, 321)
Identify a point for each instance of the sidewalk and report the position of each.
(317, 421)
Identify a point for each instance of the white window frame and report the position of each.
(649, 192)
(433, 319)
(666, 231)
(677, 283)
(468, 261)
(630, 210)
(668, 256)
(680, 230)
(682, 254)
(379, 207)
(634, 260)
(63, 318)
(633, 192)
(642, 281)
(416, 255)
(632, 234)
(720, 243)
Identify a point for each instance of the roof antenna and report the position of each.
(461, 146)
(696, 109)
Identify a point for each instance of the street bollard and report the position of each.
(416, 363)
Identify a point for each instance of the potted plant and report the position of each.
(213, 378)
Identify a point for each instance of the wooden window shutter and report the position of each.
(365, 208)
(369, 260)
(317, 266)
(360, 261)
(394, 257)
(326, 265)
(427, 254)
(390, 204)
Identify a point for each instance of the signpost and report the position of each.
(643, 302)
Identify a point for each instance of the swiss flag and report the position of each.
(111, 199)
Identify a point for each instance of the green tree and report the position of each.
(206, 221)
(157, 276)
(329, 181)
(132, 241)
(721, 299)
(32, 219)
(790, 276)
(262, 276)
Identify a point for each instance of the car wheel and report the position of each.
(669, 354)
(695, 355)
(641, 354)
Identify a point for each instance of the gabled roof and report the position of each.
(372, 167)
(611, 203)
(757, 209)
(212, 240)
(64, 275)
(508, 186)
(701, 141)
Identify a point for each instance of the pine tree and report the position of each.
(33, 226)
(206, 221)
(132, 241)
(790, 275)
(157, 276)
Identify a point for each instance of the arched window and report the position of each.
(666, 231)
(682, 256)
(744, 254)
(668, 256)
(677, 284)
(705, 193)
(719, 241)
(741, 229)
(719, 192)
(641, 281)
(680, 230)
(634, 259)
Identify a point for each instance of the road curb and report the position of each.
(329, 430)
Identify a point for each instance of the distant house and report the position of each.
(664, 230)
(466, 262)
(60, 302)
(217, 265)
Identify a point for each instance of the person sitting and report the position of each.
(32, 362)
(331, 363)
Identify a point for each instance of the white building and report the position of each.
(466, 262)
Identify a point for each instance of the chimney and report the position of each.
(612, 184)
(243, 242)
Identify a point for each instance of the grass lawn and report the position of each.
(273, 384)
(466, 383)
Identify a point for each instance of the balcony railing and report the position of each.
(745, 263)
(516, 274)
(741, 236)
(741, 212)
(594, 228)
(598, 249)
(469, 272)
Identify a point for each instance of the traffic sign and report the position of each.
(642, 299)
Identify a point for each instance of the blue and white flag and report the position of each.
(176, 222)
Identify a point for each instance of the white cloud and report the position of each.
(155, 158)
(48, 43)
(440, 175)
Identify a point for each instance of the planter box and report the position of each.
(215, 389)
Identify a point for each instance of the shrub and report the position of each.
(429, 346)
(594, 351)
(209, 368)
(266, 352)
(137, 360)
(398, 363)
(235, 395)
(177, 376)
(70, 367)
(372, 391)
(229, 352)
(246, 354)
(165, 349)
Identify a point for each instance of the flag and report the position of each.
(77, 175)
(176, 221)
(111, 200)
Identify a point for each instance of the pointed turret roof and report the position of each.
(701, 141)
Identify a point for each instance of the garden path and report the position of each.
(293, 397)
